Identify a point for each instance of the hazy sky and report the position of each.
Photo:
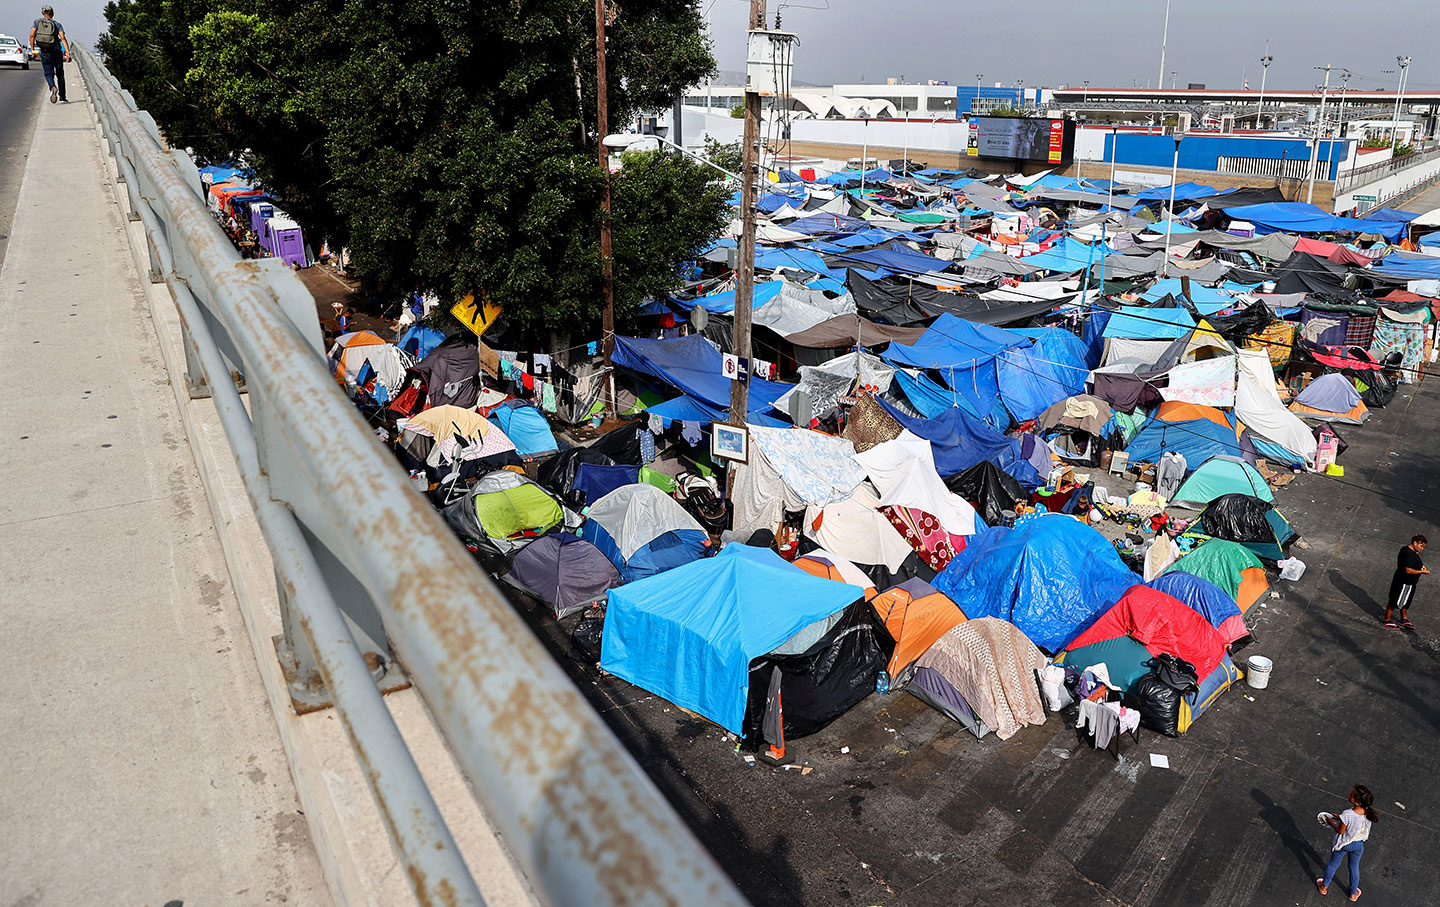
(1044, 42)
(1115, 43)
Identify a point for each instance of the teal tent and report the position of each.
(1222, 475)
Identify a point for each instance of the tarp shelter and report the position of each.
(982, 674)
(1298, 217)
(1160, 623)
(504, 510)
(1051, 577)
(790, 469)
(452, 372)
(527, 426)
(959, 440)
(695, 367)
(563, 570)
(1222, 475)
(691, 634)
(1141, 323)
(856, 530)
(1254, 523)
(1331, 398)
(952, 344)
(351, 352)
(420, 341)
(643, 531)
(825, 565)
(989, 490)
(1229, 566)
(1258, 405)
(1206, 599)
(903, 471)
(915, 615)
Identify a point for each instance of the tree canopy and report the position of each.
(450, 145)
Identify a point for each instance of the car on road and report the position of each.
(12, 54)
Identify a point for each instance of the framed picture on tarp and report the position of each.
(729, 442)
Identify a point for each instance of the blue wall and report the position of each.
(1203, 152)
(1032, 95)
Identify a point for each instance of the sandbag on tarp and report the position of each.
(1051, 577)
(817, 684)
(564, 570)
(692, 634)
(1206, 599)
(989, 490)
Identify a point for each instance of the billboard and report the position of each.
(1022, 139)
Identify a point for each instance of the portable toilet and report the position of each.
(285, 241)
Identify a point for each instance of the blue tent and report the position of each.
(1298, 217)
(526, 427)
(1063, 349)
(875, 236)
(694, 366)
(795, 259)
(689, 635)
(724, 303)
(1032, 378)
(419, 341)
(977, 391)
(897, 257)
(643, 531)
(1066, 256)
(595, 481)
(827, 223)
(1390, 214)
(1051, 577)
(1197, 440)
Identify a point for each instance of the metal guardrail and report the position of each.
(1353, 178)
(357, 552)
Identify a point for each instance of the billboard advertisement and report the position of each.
(1022, 139)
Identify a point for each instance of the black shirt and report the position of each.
(1408, 557)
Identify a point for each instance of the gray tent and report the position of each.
(564, 570)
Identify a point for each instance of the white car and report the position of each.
(12, 54)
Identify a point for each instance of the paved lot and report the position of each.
(921, 813)
(21, 94)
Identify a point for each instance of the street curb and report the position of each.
(346, 829)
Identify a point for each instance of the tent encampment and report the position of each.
(1160, 623)
(1220, 475)
(563, 570)
(1248, 520)
(643, 531)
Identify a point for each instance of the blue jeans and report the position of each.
(54, 65)
(1354, 850)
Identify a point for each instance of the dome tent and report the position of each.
(564, 570)
(1223, 475)
(643, 531)
(1228, 565)
(504, 510)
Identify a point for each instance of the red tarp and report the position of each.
(1160, 623)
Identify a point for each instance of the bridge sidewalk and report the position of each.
(144, 764)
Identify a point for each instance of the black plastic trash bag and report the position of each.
(587, 636)
(1158, 704)
(988, 489)
(1239, 518)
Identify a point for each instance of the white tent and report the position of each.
(856, 529)
(903, 469)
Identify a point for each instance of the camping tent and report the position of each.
(643, 531)
(1229, 566)
(352, 351)
(1206, 599)
(452, 372)
(1222, 475)
(821, 563)
(1331, 398)
(692, 634)
(1050, 576)
(982, 674)
(564, 570)
(504, 510)
(1253, 523)
(1196, 432)
(526, 425)
(915, 615)
(1160, 623)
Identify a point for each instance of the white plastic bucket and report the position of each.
(1258, 671)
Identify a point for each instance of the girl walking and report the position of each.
(1352, 828)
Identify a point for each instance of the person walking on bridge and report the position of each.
(49, 36)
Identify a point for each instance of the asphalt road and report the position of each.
(918, 813)
(21, 94)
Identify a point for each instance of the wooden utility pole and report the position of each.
(602, 126)
(745, 267)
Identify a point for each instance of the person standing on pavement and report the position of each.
(1408, 570)
(49, 35)
(1352, 830)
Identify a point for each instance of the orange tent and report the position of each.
(1179, 411)
(826, 565)
(915, 615)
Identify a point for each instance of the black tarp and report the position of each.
(1250, 320)
(988, 489)
(558, 473)
(1238, 518)
(823, 682)
(1303, 272)
(1241, 197)
(906, 302)
(623, 444)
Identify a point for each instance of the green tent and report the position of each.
(524, 508)
(1222, 475)
(1228, 565)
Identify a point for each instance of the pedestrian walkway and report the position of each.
(143, 762)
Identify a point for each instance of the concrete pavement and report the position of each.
(144, 766)
(21, 94)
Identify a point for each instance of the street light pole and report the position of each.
(745, 270)
(1265, 62)
(607, 258)
(1399, 95)
(1164, 37)
(1319, 126)
(1170, 221)
(974, 106)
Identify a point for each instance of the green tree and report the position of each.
(450, 145)
(727, 156)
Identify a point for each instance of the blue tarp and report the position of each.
(685, 408)
(1051, 577)
(724, 303)
(596, 481)
(1066, 256)
(875, 236)
(689, 635)
(1430, 239)
(827, 223)
(1172, 286)
(953, 342)
(526, 426)
(1403, 266)
(1142, 323)
(898, 258)
(1298, 217)
(419, 341)
(794, 259)
(692, 365)
(978, 394)
(959, 441)
(1390, 214)
(1182, 190)
(1032, 378)
(1196, 439)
